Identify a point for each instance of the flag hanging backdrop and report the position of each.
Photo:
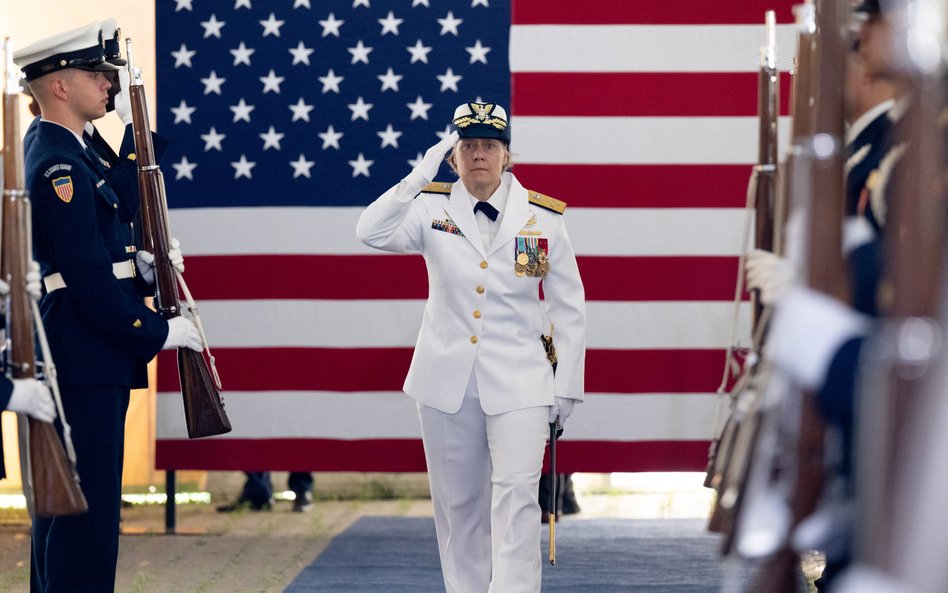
(287, 118)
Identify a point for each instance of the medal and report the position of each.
(530, 257)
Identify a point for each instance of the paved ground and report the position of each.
(249, 552)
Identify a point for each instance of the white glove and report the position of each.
(182, 333)
(807, 331)
(426, 170)
(562, 407)
(771, 274)
(145, 261)
(865, 579)
(32, 397)
(856, 232)
(34, 282)
(123, 104)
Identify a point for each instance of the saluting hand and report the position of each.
(123, 103)
(431, 162)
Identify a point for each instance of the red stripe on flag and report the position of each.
(407, 455)
(640, 186)
(384, 369)
(647, 12)
(639, 94)
(405, 277)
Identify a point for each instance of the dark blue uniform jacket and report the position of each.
(100, 331)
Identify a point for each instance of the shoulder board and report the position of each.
(437, 188)
(547, 202)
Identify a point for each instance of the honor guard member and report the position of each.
(484, 386)
(100, 333)
(818, 341)
(121, 168)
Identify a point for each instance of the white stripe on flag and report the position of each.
(330, 415)
(644, 48)
(331, 231)
(641, 140)
(394, 324)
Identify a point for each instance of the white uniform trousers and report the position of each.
(484, 474)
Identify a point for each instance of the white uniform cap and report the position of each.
(482, 120)
(111, 42)
(79, 48)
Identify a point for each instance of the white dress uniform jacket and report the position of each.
(480, 315)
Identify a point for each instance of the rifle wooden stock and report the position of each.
(826, 272)
(56, 488)
(203, 407)
(734, 448)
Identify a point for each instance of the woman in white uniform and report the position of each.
(486, 392)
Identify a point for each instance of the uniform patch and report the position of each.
(54, 168)
(63, 188)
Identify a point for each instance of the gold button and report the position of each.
(477, 314)
(484, 265)
(114, 206)
(137, 323)
(132, 156)
(473, 339)
(480, 290)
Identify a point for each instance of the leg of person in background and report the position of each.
(570, 506)
(257, 494)
(301, 483)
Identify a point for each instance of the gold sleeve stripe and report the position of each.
(437, 188)
(547, 202)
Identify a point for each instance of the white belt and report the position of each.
(121, 270)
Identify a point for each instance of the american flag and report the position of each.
(286, 118)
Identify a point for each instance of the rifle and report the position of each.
(898, 391)
(203, 405)
(788, 482)
(762, 190)
(52, 476)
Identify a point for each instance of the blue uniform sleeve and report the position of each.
(6, 390)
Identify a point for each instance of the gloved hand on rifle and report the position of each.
(769, 273)
(182, 333)
(123, 103)
(32, 397)
(145, 261)
(34, 282)
(562, 407)
(426, 170)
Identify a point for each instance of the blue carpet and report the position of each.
(400, 555)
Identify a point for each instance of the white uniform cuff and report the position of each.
(808, 329)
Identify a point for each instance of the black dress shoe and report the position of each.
(243, 504)
(303, 502)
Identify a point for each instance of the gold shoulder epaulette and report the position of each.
(437, 187)
(547, 202)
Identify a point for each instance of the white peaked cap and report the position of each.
(79, 48)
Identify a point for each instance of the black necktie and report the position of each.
(487, 209)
